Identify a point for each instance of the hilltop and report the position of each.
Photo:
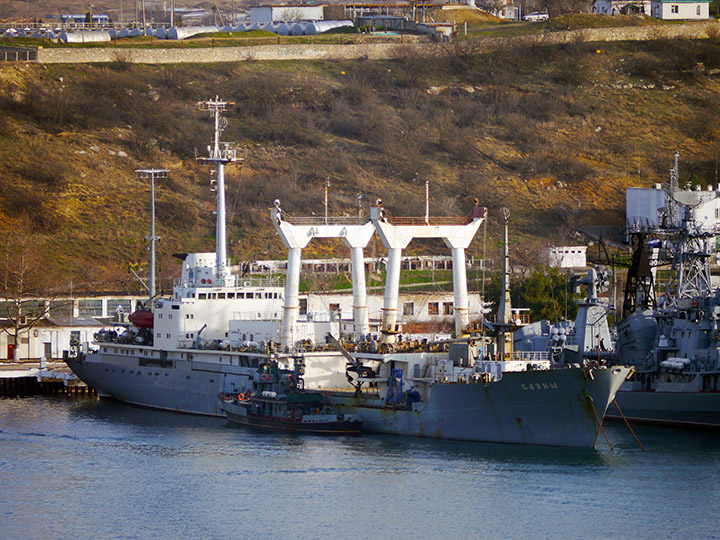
(554, 132)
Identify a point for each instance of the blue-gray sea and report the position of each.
(96, 469)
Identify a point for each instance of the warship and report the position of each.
(673, 340)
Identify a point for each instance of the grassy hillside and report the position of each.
(555, 133)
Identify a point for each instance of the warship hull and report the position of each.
(560, 407)
(694, 410)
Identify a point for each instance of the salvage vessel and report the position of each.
(457, 389)
(211, 335)
(217, 333)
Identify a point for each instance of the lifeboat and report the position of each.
(142, 318)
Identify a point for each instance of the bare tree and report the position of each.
(567, 7)
(21, 306)
(493, 6)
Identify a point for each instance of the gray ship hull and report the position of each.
(548, 407)
(186, 381)
(698, 410)
(182, 388)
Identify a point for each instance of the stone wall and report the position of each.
(226, 54)
(375, 51)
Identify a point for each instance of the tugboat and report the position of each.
(278, 402)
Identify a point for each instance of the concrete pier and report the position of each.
(19, 379)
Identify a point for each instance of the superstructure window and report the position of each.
(447, 308)
(674, 8)
(408, 309)
(433, 308)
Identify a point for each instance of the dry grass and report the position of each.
(554, 132)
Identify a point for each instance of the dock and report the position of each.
(30, 378)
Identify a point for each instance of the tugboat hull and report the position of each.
(319, 424)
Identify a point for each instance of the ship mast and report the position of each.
(504, 309)
(152, 174)
(219, 154)
(504, 317)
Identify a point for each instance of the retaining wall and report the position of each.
(377, 51)
(224, 54)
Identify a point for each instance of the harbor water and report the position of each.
(87, 468)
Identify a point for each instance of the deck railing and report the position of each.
(413, 221)
(321, 220)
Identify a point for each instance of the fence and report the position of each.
(18, 55)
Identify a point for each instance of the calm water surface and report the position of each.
(83, 468)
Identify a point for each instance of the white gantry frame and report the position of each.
(396, 234)
(296, 236)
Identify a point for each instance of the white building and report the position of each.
(621, 7)
(680, 10)
(66, 319)
(272, 14)
(48, 339)
(567, 256)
